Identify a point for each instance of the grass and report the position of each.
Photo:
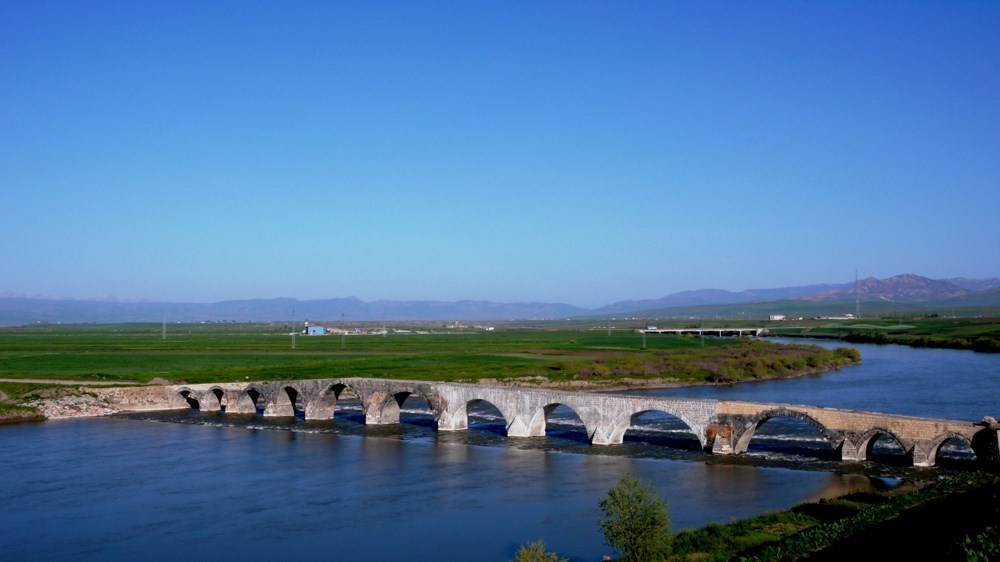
(860, 523)
(978, 334)
(202, 353)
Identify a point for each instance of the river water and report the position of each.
(170, 485)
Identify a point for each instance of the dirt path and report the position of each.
(71, 383)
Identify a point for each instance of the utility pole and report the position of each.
(343, 331)
(293, 340)
(609, 326)
(644, 339)
(163, 330)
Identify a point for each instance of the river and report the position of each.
(226, 487)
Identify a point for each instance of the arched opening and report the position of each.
(484, 416)
(414, 409)
(655, 427)
(885, 448)
(258, 401)
(790, 434)
(190, 399)
(562, 422)
(220, 397)
(955, 451)
(295, 401)
(211, 401)
(346, 404)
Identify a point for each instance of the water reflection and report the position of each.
(127, 488)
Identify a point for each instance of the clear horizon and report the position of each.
(564, 152)
(118, 298)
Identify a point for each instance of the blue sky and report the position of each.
(561, 151)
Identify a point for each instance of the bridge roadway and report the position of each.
(722, 426)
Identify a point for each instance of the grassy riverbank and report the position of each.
(977, 334)
(15, 402)
(939, 521)
(575, 358)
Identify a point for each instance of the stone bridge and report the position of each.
(722, 427)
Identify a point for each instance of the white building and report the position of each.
(776, 317)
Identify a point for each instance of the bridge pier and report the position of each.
(453, 420)
(276, 409)
(238, 402)
(719, 437)
(986, 443)
(852, 450)
(380, 408)
(320, 409)
(924, 453)
(519, 428)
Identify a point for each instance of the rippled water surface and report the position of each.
(227, 487)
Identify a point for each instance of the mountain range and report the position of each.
(907, 289)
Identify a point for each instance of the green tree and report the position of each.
(984, 547)
(635, 521)
(535, 552)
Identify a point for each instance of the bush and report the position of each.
(635, 521)
(983, 547)
(848, 353)
(535, 552)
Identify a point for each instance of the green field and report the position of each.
(225, 352)
(979, 334)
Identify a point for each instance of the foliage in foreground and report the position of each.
(535, 552)
(811, 527)
(635, 521)
(983, 546)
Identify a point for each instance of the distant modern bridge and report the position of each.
(721, 332)
(721, 426)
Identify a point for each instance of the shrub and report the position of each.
(848, 353)
(535, 552)
(983, 547)
(635, 521)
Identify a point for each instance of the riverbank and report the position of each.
(954, 515)
(31, 400)
(627, 383)
(973, 334)
(13, 413)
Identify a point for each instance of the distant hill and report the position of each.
(885, 295)
(899, 288)
(975, 285)
(718, 296)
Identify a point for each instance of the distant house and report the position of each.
(315, 331)
(776, 317)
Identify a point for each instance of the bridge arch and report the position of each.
(190, 398)
(252, 400)
(743, 442)
(323, 405)
(213, 400)
(389, 408)
(683, 436)
(540, 420)
(866, 442)
(936, 444)
(287, 400)
(484, 409)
